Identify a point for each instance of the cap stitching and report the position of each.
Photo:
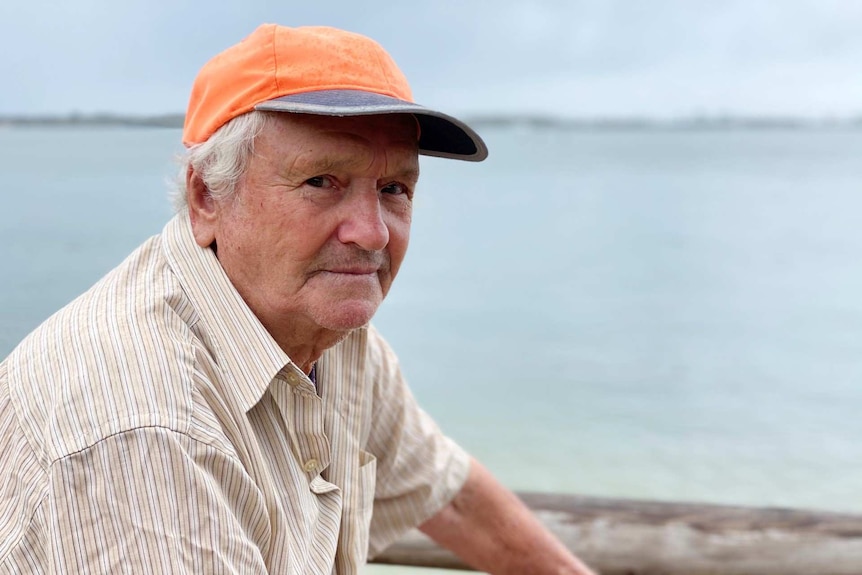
(275, 61)
(385, 72)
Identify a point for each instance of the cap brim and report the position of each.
(440, 135)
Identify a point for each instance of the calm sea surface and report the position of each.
(668, 315)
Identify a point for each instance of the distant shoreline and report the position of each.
(694, 123)
(160, 121)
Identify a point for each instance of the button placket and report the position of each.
(296, 379)
(302, 411)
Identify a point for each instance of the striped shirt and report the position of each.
(154, 426)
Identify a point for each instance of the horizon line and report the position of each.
(530, 119)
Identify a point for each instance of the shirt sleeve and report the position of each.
(419, 470)
(153, 500)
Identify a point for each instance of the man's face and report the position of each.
(321, 219)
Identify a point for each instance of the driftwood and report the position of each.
(624, 537)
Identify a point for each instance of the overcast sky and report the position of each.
(568, 57)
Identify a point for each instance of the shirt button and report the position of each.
(310, 465)
(292, 379)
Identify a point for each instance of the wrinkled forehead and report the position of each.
(396, 136)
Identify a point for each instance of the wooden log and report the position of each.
(627, 537)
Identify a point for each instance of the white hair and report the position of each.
(221, 161)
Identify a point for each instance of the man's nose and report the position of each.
(363, 221)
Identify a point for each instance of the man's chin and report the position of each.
(347, 316)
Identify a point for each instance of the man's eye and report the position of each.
(320, 182)
(395, 189)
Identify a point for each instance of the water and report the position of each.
(667, 315)
(662, 315)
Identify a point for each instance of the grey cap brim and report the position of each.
(440, 135)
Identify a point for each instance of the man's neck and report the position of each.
(304, 344)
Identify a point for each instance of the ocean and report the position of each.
(671, 315)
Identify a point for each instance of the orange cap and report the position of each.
(316, 70)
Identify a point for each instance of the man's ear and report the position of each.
(203, 210)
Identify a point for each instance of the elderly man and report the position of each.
(219, 402)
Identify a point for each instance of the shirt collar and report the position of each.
(246, 352)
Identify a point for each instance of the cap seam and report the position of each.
(275, 62)
(384, 70)
(353, 87)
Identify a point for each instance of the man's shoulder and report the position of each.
(119, 356)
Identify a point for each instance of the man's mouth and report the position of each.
(357, 263)
(354, 271)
